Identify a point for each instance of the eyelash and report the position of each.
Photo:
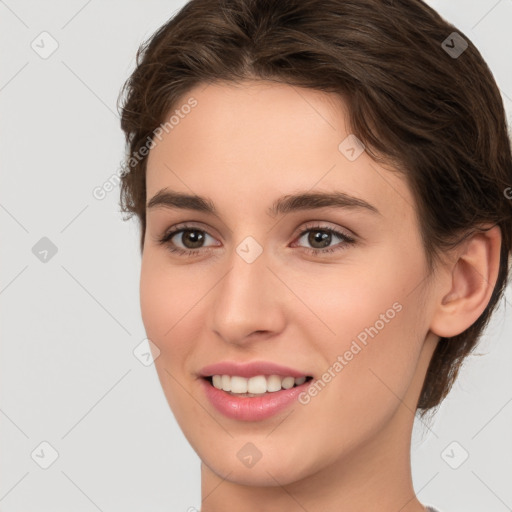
(166, 240)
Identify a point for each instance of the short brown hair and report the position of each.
(437, 118)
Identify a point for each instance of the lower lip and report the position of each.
(252, 408)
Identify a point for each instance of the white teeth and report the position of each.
(217, 381)
(238, 384)
(257, 385)
(288, 382)
(300, 381)
(274, 383)
(226, 383)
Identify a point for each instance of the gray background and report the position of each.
(69, 325)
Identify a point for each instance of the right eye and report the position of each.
(191, 238)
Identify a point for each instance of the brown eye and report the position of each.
(320, 238)
(187, 240)
(191, 238)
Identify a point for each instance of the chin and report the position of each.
(230, 461)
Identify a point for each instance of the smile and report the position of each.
(257, 385)
(249, 406)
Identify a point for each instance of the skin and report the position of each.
(243, 146)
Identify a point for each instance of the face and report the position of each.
(330, 286)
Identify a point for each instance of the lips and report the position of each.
(248, 406)
(256, 408)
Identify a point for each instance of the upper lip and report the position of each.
(251, 369)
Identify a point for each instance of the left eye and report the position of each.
(320, 238)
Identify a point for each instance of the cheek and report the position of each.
(343, 301)
(370, 361)
(167, 307)
(169, 314)
(372, 318)
(166, 295)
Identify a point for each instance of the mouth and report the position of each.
(256, 386)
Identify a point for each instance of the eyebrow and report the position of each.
(166, 198)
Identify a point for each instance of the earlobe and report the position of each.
(471, 282)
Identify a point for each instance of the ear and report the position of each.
(467, 284)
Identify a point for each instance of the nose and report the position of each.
(248, 302)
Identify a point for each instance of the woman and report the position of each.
(325, 232)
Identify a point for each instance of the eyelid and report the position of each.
(346, 236)
(297, 233)
(183, 226)
(323, 225)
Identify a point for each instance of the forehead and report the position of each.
(260, 139)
